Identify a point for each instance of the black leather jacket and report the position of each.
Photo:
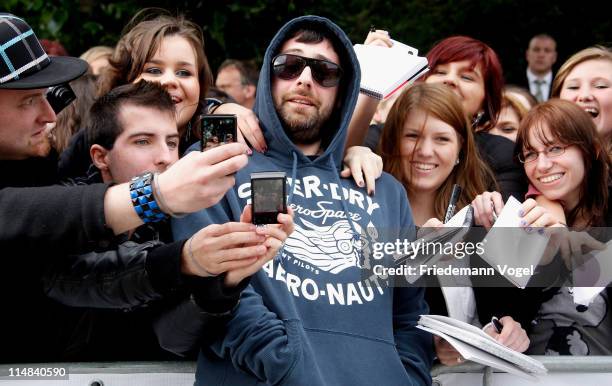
(140, 279)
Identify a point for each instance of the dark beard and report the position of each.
(302, 132)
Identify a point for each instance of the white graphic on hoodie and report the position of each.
(330, 248)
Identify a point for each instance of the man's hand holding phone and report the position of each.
(239, 249)
(275, 235)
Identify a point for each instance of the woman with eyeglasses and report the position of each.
(585, 79)
(566, 160)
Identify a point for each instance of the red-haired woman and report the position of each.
(473, 71)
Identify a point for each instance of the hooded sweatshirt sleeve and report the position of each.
(261, 344)
(255, 339)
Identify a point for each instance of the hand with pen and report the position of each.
(488, 205)
(508, 332)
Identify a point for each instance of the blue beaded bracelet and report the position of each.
(143, 199)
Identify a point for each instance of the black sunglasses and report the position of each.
(288, 66)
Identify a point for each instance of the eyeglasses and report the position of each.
(551, 152)
(324, 72)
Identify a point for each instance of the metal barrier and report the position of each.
(562, 371)
(102, 374)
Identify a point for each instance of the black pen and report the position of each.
(450, 210)
(497, 324)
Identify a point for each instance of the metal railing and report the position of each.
(557, 366)
(596, 368)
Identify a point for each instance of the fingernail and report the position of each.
(360, 183)
(249, 151)
(529, 229)
(521, 212)
(541, 231)
(265, 149)
(523, 223)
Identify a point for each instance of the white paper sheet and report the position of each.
(508, 246)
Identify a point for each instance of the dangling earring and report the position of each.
(477, 119)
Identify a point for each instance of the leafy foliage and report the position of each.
(242, 29)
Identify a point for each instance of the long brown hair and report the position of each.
(141, 40)
(472, 174)
(570, 125)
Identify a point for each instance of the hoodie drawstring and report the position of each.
(356, 235)
(293, 175)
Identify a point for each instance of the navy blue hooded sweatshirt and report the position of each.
(312, 316)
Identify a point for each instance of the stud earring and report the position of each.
(457, 161)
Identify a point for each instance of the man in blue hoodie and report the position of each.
(313, 316)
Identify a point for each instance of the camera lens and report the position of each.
(60, 96)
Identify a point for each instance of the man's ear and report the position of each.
(249, 91)
(99, 157)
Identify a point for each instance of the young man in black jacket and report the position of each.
(39, 223)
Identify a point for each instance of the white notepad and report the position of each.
(476, 345)
(385, 70)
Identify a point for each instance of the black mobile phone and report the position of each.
(217, 130)
(268, 196)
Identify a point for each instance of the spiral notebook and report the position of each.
(385, 70)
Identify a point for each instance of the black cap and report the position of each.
(23, 62)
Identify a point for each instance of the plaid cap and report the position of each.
(23, 62)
